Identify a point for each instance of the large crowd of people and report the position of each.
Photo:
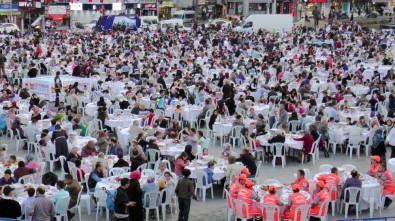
(194, 89)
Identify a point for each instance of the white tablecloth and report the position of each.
(342, 133)
(359, 89)
(218, 172)
(289, 142)
(391, 165)
(121, 121)
(187, 112)
(90, 109)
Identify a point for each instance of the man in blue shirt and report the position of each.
(209, 171)
(95, 176)
(28, 201)
(60, 194)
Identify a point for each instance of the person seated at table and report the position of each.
(279, 138)
(161, 121)
(17, 126)
(61, 107)
(36, 113)
(210, 172)
(136, 108)
(260, 125)
(353, 181)
(89, 149)
(22, 170)
(191, 154)
(239, 121)
(114, 148)
(203, 154)
(121, 162)
(136, 146)
(10, 208)
(362, 122)
(302, 181)
(43, 102)
(248, 160)
(153, 144)
(330, 178)
(319, 198)
(134, 130)
(248, 195)
(102, 140)
(202, 140)
(80, 172)
(7, 179)
(34, 101)
(59, 194)
(180, 163)
(101, 102)
(162, 169)
(136, 160)
(388, 183)
(12, 160)
(374, 166)
(295, 199)
(32, 163)
(251, 114)
(227, 151)
(233, 169)
(49, 178)
(95, 176)
(212, 119)
(236, 184)
(308, 141)
(271, 199)
(157, 134)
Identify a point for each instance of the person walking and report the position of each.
(316, 14)
(184, 191)
(58, 87)
(3, 59)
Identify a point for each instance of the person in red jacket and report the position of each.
(237, 183)
(295, 199)
(308, 141)
(331, 179)
(388, 183)
(374, 165)
(320, 197)
(248, 195)
(271, 199)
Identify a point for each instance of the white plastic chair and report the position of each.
(19, 140)
(307, 173)
(62, 203)
(218, 131)
(235, 135)
(147, 172)
(353, 199)
(101, 202)
(199, 184)
(322, 212)
(325, 168)
(375, 200)
(270, 212)
(88, 196)
(293, 126)
(31, 143)
(169, 194)
(303, 210)
(313, 152)
(63, 161)
(238, 208)
(333, 188)
(229, 205)
(256, 178)
(348, 167)
(278, 151)
(353, 143)
(153, 203)
(152, 156)
(117, 171)
(142, 167)
(334, 141)
(26, 179)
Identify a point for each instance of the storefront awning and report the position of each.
(57, 17)
(9, 13)
(167, 4)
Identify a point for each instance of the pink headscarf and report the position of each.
(36, 109)
(135, 175)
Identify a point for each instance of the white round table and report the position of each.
(218, 172)
(391, 165)
(121, 121)
(289, 142)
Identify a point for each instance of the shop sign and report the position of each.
(75, 6)
(25, 4)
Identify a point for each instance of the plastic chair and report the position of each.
(353, 199)
(333, 141)
(348, 167)
(270, 212)
(200, 175)
(375, 200)
(26, 179)
(101, 202)
(19, 140)
(302, 211)
(152, 156)
(325, 168)
(63, 161)
(117, 171)
(333, 188)
(323, 211)
(353, 143)
(218, 131)
(235, 135)
(229, 200)
(293, 126)
(147, 172)
(307, 173)
(142, 167)
(153, 203)
(169, 194)
(31, 143)
(278, 151)
(62, 203)
(271, 181)
(257, 150)
(256, 178)
(10, 132)
(240, 210)
(88, 196)
(313, 152)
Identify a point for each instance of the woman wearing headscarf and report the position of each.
(32, 164)
(226, 151)
(191, 154)
(378, 146)
(36, 113)
(135, 194)
(59, 138)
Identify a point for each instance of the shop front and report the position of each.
(165, 8)
(149, 9)
(57, 16)
(9, 13)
